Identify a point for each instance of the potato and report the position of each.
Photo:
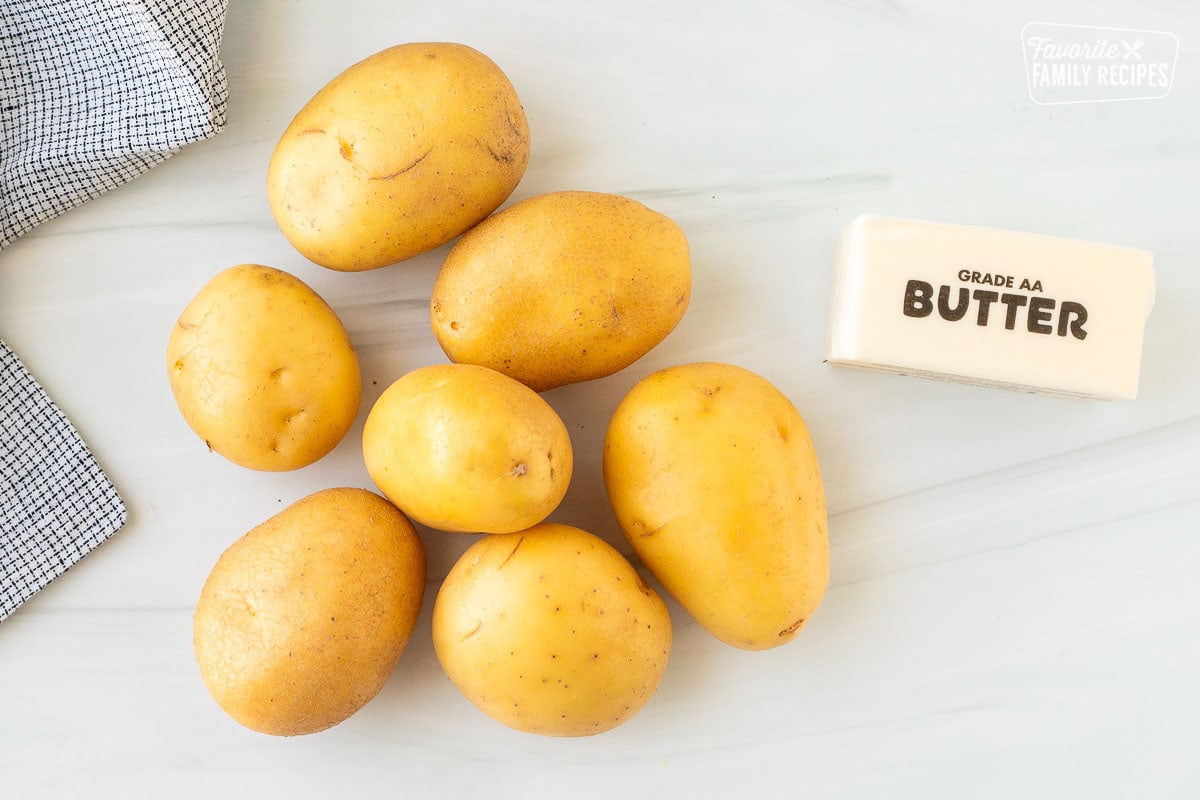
(551, 631)
(463, 448)
(262, 369)
(302, 620)
(562, 288)
(713, 477)
(398, 155)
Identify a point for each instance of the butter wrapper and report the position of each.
(990, 307)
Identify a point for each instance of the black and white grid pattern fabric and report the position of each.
(55, 503)
(95, 92)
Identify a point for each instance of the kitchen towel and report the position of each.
(95, 92)
(92, 94)
(55, 503)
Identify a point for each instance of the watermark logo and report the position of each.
(1087, 64)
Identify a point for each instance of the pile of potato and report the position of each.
(709, 468)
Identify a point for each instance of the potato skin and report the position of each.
(713, 477)
(463, 448)
(303, 619)
(398, 155)
(562, 288)
(551, 631)
(263, 370)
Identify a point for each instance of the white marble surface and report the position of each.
(1014, 605)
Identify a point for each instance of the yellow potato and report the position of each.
(551, 631)
(463, 448)
(713, 477)
(262, 369)
(562, 288)
(398, 155)
(302, 620)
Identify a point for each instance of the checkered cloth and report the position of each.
(95, 92)
(92, 94)
(57, 504)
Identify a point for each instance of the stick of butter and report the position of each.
(990, 307)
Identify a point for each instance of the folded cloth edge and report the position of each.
(57, 503)
(54, 157)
